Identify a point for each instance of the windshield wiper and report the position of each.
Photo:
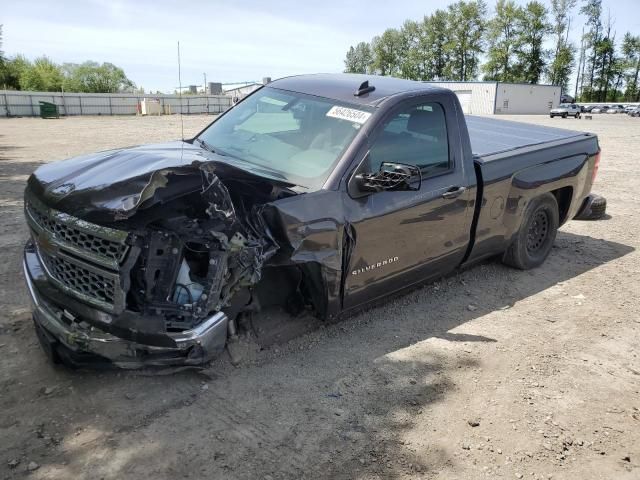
(205, 146)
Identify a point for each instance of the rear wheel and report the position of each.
(537, 233)
(577, 115)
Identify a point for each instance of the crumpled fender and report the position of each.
(310, 229)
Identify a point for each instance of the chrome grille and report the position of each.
(89, 284)
(103, 242)
(82, 259)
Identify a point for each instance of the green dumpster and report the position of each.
(49, 110)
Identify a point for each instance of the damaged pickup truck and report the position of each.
(315, 195)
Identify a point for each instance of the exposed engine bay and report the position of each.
(196, 253)
(195, 246)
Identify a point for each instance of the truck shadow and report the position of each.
(335, 402)
(431, 312)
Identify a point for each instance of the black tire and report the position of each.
(551, 116)
(564, 115)
(595, 209)
(536, 235)
(577, 116)
(598, 208)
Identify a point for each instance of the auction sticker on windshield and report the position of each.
(351, 114)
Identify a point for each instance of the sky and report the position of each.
(233, 41)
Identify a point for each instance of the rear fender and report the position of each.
(532, 182)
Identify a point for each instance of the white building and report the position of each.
(486, 98)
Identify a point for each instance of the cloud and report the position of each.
(230, 41)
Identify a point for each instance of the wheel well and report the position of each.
(563, 197)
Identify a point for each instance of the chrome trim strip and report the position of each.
(31, 289)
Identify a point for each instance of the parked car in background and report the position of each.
(615, 109)
(628, 108)
(587, 108)
(634, 112)
(565, 110)
(600, 109)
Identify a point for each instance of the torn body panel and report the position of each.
(311, 239)
(193, 240)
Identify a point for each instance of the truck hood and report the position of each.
(113, 184)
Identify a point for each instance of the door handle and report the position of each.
(454, 192)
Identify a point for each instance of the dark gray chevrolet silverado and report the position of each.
(315, 195)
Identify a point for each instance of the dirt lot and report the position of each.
(544, 362)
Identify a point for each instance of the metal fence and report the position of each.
(26, 104)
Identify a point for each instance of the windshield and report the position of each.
(286, 135)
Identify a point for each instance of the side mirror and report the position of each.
(391, 176)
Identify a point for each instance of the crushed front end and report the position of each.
(158, 279)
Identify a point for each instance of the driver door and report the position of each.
(403, 237)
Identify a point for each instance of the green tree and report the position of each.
(2, 59)
(502, 36)
(411, 56)
(562, 66)
(434, 43)
(533, 28)
(359, 59)
(14, 70)
(562, 62)
(8, 80)
(92, 77)
(351, 64)
(592, 9)
(607, 64)
(465, 27)
(387, 52)
(631, 67)
(423, 47)
(3, 63)
(41, 76)
(605, 67)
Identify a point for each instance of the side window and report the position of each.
(415, 136)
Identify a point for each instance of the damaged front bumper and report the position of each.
(66, 337)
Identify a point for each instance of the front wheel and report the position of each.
(536, 235)
(577, 115)
(564, 115)
(550, 116)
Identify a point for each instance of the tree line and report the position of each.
(464, 42)
(44, 75)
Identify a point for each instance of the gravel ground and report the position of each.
(489, 373)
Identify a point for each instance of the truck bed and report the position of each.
(490, 136)
(518, 161)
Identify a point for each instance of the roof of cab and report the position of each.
(341, 86)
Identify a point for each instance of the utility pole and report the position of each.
(206, 94)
